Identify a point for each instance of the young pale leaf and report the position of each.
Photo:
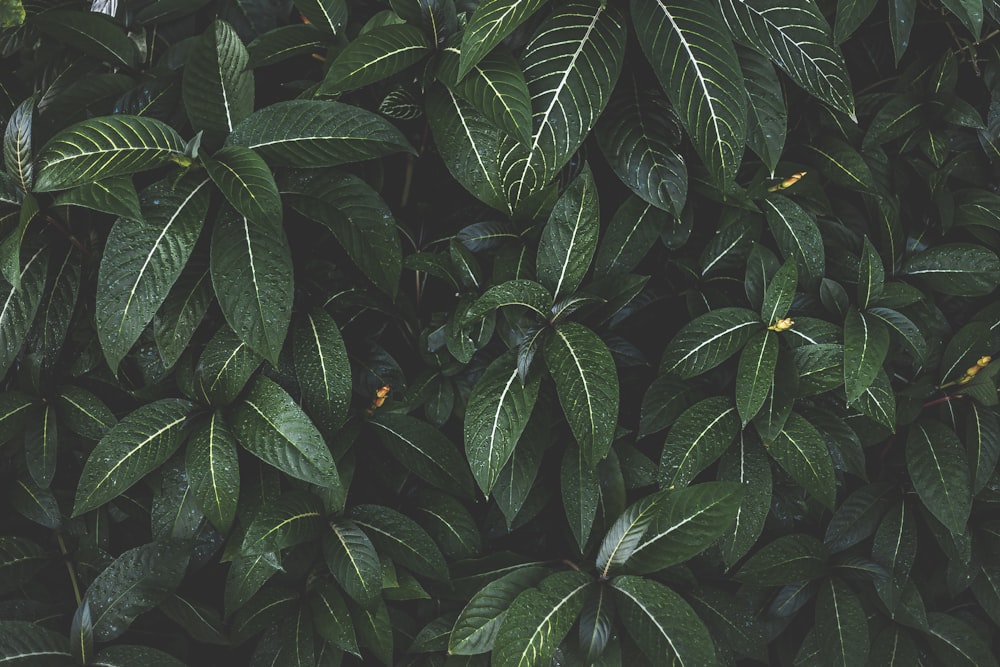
(217, 85)
(353, 562)
(788, 559)
(476, 627)
(143, 258)
(587, 384)
(490, 23)
(317, 133)
(247, 183)
(27, 644)
(662, 623)
(213, 471)
(571, 66)
(637, 135)
(402, 539)
(273, 428)
(627, 531)
(581, 492)
(115, 195)
(323, 370)
(41, 446)
(373, 56)
(747, 464)
(798, 39)
(138, 444)
(538, 619)
(687, 522)
(18, 157)
(251, 267)
(803, 454)
(767, 115)
(756, 373)
(708, 340)
(842, 625)
(99, 148)
(698, 437)
(569, 238)
(497, 412)
(958, 269)
(425, 451)
(693, 56)
(866, 343)
(327, 15)
(779, 293)
(294, 518)
(940, 474)
(134, 583)
(797, 235)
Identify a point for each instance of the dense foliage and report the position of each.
(511, 332)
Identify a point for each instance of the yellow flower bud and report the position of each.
(782, 325)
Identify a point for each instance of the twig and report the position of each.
(69, 568)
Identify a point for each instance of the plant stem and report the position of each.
(69, 568)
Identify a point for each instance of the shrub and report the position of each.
(512, 332)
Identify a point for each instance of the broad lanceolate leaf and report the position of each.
(476, 627)
(866, 343)
(492, 21)
(708, 340)
(637, 135)
(41, 445)
(323, 370)
(182, 311)
(24, 644)
(90, 32)
(627, 531)
(217, 86)
(798, 39)
(842, 625)
(581, 491)
(246, 181)
(634, 228)
(767, 115)
(802, 452)
(103, 147)
(424, 450)
(940, 474)
(353, 562)
(756, 373)
(134, 583)
(315, 133)
(519, 292)
(124, 655)
(693, 56)
(401, 539)
(373, 56)
(18, 306)
(224, 367)
(294, 518)
(538, 619)
(587, 384)
(569, 238)
(699, 436)
(138, 444)
(20, 560)
(788, 559)
(115, 195)
(497, 412)
(142, 259)
(959, 269)
(18, 157)
(251, 268)
(747, 464)
(571, 66)
(327, 15)
(273, 428)
(662, 623)
(797, 235)
(779, 293)
(213, 471)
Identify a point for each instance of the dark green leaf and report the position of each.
(20, 560)
(246, 181)
(956, 642)
(786, 560)
(423, 450)
(218, 85)
(476, 627)
(756, 373)
(115, 195)
(286, 42)
(581, 492)
(767, 116)
(213, 470)
(327, 15)
(491, 22)
(866, 343)
(633, 230)
(797, 235)
(182, 311)
(803, 454)
(90, 32)
(779, 293)
(224, 367)
(708, 340)
(20, 306)
(959, 269)
(332, 617)
(292, 519)
(41, 446)
(940, 475)
(323, 371)
(18, 157)
(569, 238)
(698, 437)
(747, 464)
(373, 56)
(24, 644)
(35, 503)
(402, 539)
(841, 624)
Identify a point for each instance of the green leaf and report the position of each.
(134, 583)
(662, 623)
(767, 115)
(476, 627)
(273, 428)
(24, 644)
(18, 157)
(842, 625)
(115, 195)
(402, 539)
(217, 85)
(143, 258)
(538, 619)
(495, 87)
(894, 648)
(797, 235)
(353, 562)
(11, 247)
(425, 451)
(245, 578)
(587, 384)
(373, 56)
(135, 446)
(633, 230)
(693, 56)
(20, 560)
(90, 32)
(801, 451)
(905, 329)
(866, 343)
(779, 293)
(581, 492)
(327, 15)
(596, 623)
(489, 24)
(224, 367)
(958, 269)
(940, 475)
(35, 503)
(788, 559)
(123, 656)
(247, 183)
(323, 370)
(497, 412)
(637, 135)
(756, 373)
(969, 12)
(569, 238)
(571, 66)
(213, 471)
(332, 617)
(708, 340)
(103, 147)
(251, 267)
(746, 464)
(294, 518)
(15, 407)
(450, 525)
(851, 15)
(520, 292)
(687, 522)
(359, 219)
(182, 311)
(982, 443)
(699, 436)
(285, 42)
(878, 401)
(956, 642)
(266, 609)
(895, 548)
(317, 133)
(798, 39)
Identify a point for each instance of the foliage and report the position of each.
(512, 332)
